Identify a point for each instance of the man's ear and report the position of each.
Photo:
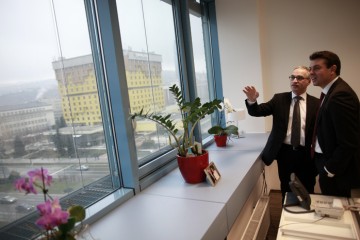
(333, 68)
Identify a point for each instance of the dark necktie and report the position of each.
(296, 123)
(315, 127)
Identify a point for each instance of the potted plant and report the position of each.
(222, 134)
(192, 160)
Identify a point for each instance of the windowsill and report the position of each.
(103, 207)
(173, 209)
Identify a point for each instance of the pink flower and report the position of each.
(40, 175)
(51, 214)
(26, 185)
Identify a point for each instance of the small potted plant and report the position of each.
(192, 160)
(222, 134)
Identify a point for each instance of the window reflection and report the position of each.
(201, 73)
(148, 38)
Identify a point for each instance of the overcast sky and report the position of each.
(29, 41)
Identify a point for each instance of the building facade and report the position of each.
(78, 88)
(24, 119)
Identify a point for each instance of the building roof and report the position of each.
(24, 106)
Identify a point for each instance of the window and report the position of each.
(47, 45)
(201, 70)
(67, 51)
(148, 41)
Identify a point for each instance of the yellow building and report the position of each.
(143, 74)
(78, 88)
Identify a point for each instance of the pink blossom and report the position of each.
(40, 175)
(26, 185)
(51, 214)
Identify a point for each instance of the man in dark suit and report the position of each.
(290, 158)
(337, 141)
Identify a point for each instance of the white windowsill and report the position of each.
(173, 209)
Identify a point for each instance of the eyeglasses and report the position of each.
(299, 78)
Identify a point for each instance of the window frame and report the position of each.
(108, 55)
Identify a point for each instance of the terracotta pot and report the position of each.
(220, 140)
(192, 168)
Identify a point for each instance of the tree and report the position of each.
(58, 142)
(61, 122)
(2, 149)
(70, 147)
(19, 147)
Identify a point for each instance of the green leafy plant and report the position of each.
(191, 114)
(219, 130)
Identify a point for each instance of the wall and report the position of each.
(239, 40)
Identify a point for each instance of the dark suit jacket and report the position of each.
(279, 108)
(338, 133)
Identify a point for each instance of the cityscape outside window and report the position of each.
(50, 114)
(150, 55)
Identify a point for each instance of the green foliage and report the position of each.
(58, 142)
(70, 147)
(191, 114)
(19, 147)
(77, 212)
(228, 130)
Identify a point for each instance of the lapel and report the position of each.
(310, 111)
(287, 102)
(327, 97)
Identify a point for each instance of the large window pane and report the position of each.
(50, 114)
(201, 69)
(150, 53)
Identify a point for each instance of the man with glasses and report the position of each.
(290, 139)
(337, 136)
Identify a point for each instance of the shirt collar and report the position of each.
(304, 95)
(328, 86)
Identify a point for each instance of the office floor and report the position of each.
(275, 213)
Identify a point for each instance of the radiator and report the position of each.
(259, 222)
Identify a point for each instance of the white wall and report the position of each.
(261, 41)
(238, 29)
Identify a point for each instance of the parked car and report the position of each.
(8, 199)
(82, 168)
(24, 208)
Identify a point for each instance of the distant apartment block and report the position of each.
(78, 88)
(24, 119)
(144, 79)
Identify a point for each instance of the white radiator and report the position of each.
(259, 222)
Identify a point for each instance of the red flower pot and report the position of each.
(220, 140)
(192, 168)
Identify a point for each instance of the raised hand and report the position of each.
(251, 93)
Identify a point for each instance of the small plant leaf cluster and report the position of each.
(228, 130)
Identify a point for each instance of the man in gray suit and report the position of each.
(337, 142)
(291, 158)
